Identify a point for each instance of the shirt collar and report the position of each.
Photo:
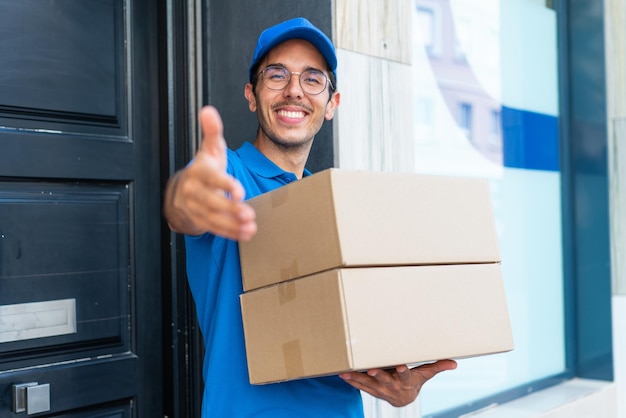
(260, 164)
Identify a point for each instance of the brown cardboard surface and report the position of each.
(338, 218)
(362, 318)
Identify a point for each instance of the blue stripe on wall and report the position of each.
(530, 140)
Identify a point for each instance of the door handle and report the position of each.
(31, 398)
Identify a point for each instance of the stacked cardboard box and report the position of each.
(353, 270)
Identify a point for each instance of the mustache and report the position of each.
(301, 105)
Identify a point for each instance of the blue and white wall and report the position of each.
(615, 16)
(411, 71)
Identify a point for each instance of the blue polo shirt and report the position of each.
(214, 276)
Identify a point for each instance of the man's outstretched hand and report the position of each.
(399, 386)
(203, 197)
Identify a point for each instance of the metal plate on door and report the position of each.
(31, 398)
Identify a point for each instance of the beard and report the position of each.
(286, 144)
(293, 139)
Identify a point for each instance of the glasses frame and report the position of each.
(261, 75)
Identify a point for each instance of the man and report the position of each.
(292, 91)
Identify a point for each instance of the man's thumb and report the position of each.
(212, 132)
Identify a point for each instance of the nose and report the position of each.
(293, 88)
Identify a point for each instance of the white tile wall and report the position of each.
(615, 29)
(375, 28)
(615, 47)
(374, 126)
(373, 121)
(374, 118)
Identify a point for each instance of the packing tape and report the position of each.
(290, 271)
(292, 357)
(286, 292)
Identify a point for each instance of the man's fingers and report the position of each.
(437, 367)
(400, 385)
(230, 228)
(212, 201)
(223, 217)
(206, 173)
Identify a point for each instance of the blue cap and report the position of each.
(298, 28)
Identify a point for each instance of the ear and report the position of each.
(250, 97)
(332, 104)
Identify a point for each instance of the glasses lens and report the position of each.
(313, 81)
(276, 78)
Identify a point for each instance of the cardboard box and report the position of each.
(338, 218)
(362, 318)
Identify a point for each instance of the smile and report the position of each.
(291, 114)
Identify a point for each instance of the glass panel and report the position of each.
(494, 97)
(80, 78)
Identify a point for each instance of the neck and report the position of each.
(291, 158)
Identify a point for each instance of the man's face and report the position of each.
(290, 117)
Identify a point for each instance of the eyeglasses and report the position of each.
(277, 78)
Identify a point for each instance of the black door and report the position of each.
(80, 278)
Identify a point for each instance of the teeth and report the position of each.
(291, 115)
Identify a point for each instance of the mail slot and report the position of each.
(26, 321)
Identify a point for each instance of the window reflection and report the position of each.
(486, 104)
(465, 95)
